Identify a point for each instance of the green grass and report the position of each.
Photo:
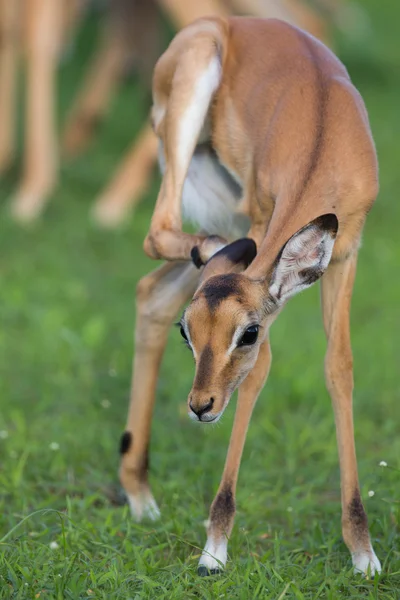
(67, 315)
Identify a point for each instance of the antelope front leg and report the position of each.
(94, 97)
(130, 181)
(9, 16)
(159, 297)
(178, 120)
(337, 284)
(222, 510)
(40, 153)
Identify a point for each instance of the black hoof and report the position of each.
(195, 254)
(203, 571)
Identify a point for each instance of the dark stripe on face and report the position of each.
(219, 288)
(204, 368)
(321, 99)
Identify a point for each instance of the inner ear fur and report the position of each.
(304, 257)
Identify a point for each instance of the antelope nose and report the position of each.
(201, 410)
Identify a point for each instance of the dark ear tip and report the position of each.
(196, 258)
(329, 222)
(251, 251)
(246, 250)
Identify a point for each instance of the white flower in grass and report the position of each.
(371, 493)
(383, 463)
(54, 446)
(290, 509)
(105, 403)
(3, 434)
(53, 545)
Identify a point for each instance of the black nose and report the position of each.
(202, 410)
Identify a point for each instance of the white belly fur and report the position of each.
(210, 195)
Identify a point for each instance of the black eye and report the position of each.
(183, 334)
(249, 337)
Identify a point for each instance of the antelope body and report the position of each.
(258, 122)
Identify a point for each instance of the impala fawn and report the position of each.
(261, 132)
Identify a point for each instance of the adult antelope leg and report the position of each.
(337, 285)
(72, 14)
(9, 32)
(130, 181)
(93, 100)
(43, 36)
(184, 12)
(297, 12)
(159, 297)
(222, 510)
(131, 33)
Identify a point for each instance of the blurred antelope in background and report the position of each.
(38, 29)
(260, 131)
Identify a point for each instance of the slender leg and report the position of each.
(72, 12)
(159, 297)
(104, 73)
(40, 160)
(183, 12)
(222, 510)
(130, 182)
(297, 12)
(337, 285)
(195, 75)
(9, 16)
(132, 33)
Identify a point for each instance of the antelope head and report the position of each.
(233, 308)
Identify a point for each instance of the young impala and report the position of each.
(261, 131)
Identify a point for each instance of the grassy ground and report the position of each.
(67, 314)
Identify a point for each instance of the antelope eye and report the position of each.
(183, 334)
(249, 337)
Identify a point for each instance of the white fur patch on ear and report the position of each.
(304, 258)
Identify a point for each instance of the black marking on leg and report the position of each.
(126, 442)
(144, 468)
(358, 517)
(196, 258)
(204, 368)
(223, 509)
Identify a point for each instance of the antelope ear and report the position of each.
(232, 258)
(304, 258)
